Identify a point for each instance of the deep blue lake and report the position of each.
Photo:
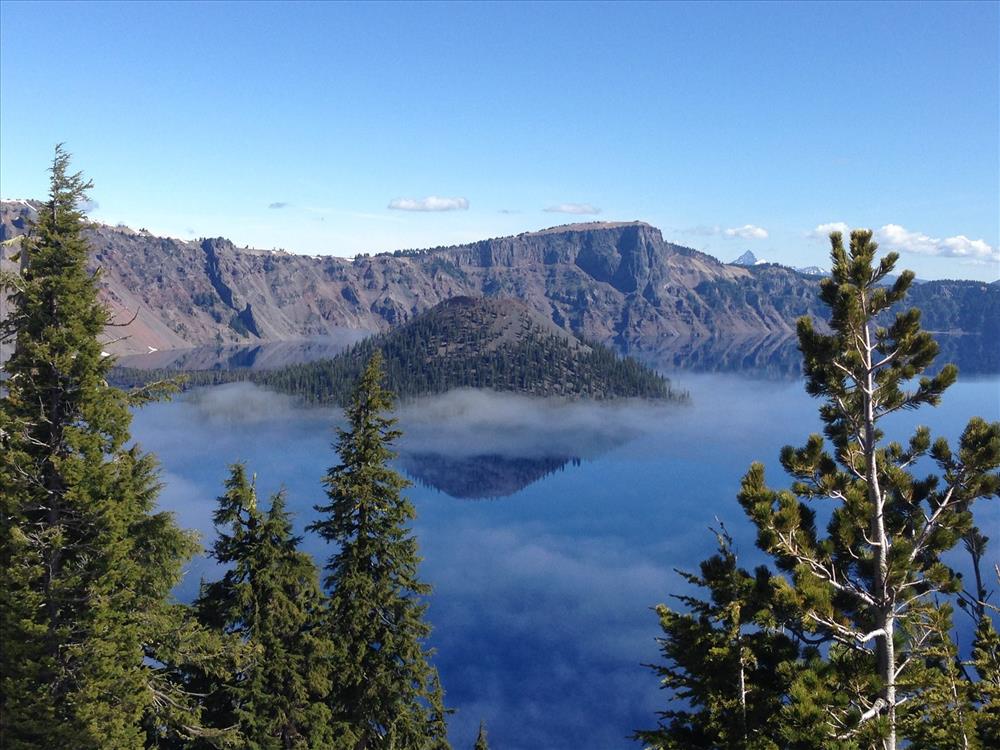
(548, 530)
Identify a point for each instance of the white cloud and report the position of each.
(430, 203)
(573, 208)
(896, 237)
(747, 232)
(822, 232)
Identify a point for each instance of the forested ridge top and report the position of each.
(464, 342)
(620, 284)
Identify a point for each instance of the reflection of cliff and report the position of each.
(763, 356)
(267, 356)
(778, 357)
(974, 355)
(483, 476)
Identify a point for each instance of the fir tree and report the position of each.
(270, 598)
(869, 586)
(983, 669)
(728, 667)
(481, 742)
(986, 663)
(945, 717)
(87, 566)
(386, 693)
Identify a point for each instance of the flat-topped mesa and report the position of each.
(610, 251)
(590, 226)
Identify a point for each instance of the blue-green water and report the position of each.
(541, 597)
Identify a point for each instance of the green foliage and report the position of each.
(385, 692)
(728, 669)
(270, 598)
(983, 669)
(87, 565)
(945, 717)
(860, 617)
(986, 663)
(435, 353)
(481, 742)
(870, 584)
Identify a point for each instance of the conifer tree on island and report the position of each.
(87, 565)
(270, 598)
(385, 693)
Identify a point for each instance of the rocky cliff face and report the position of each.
(616, 283)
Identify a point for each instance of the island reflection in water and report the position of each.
(473, 444)
(541, 601)
(470, 445)
(480, 477)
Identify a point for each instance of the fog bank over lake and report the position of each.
(541, 598)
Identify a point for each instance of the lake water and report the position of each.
(548, 530)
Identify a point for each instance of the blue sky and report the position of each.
(729, 126)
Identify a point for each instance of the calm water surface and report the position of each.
(548, 530)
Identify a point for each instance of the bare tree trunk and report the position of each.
(885, 619)
(743, 690)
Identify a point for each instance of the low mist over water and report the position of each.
(542, 594)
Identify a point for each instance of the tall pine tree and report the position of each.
(87, 565)
(386, 694)
(270, 598)
(869, 585)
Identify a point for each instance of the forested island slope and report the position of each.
(464, 342)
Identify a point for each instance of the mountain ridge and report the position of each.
(617, 283)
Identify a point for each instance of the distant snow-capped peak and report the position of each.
(747, 259)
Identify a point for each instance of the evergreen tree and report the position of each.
(983, 669)
(270, 598)
(868, 587)
(986, 663)
(386, 693)
(87, 566)
(945, 717)
(481, 741)
(728, 667)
